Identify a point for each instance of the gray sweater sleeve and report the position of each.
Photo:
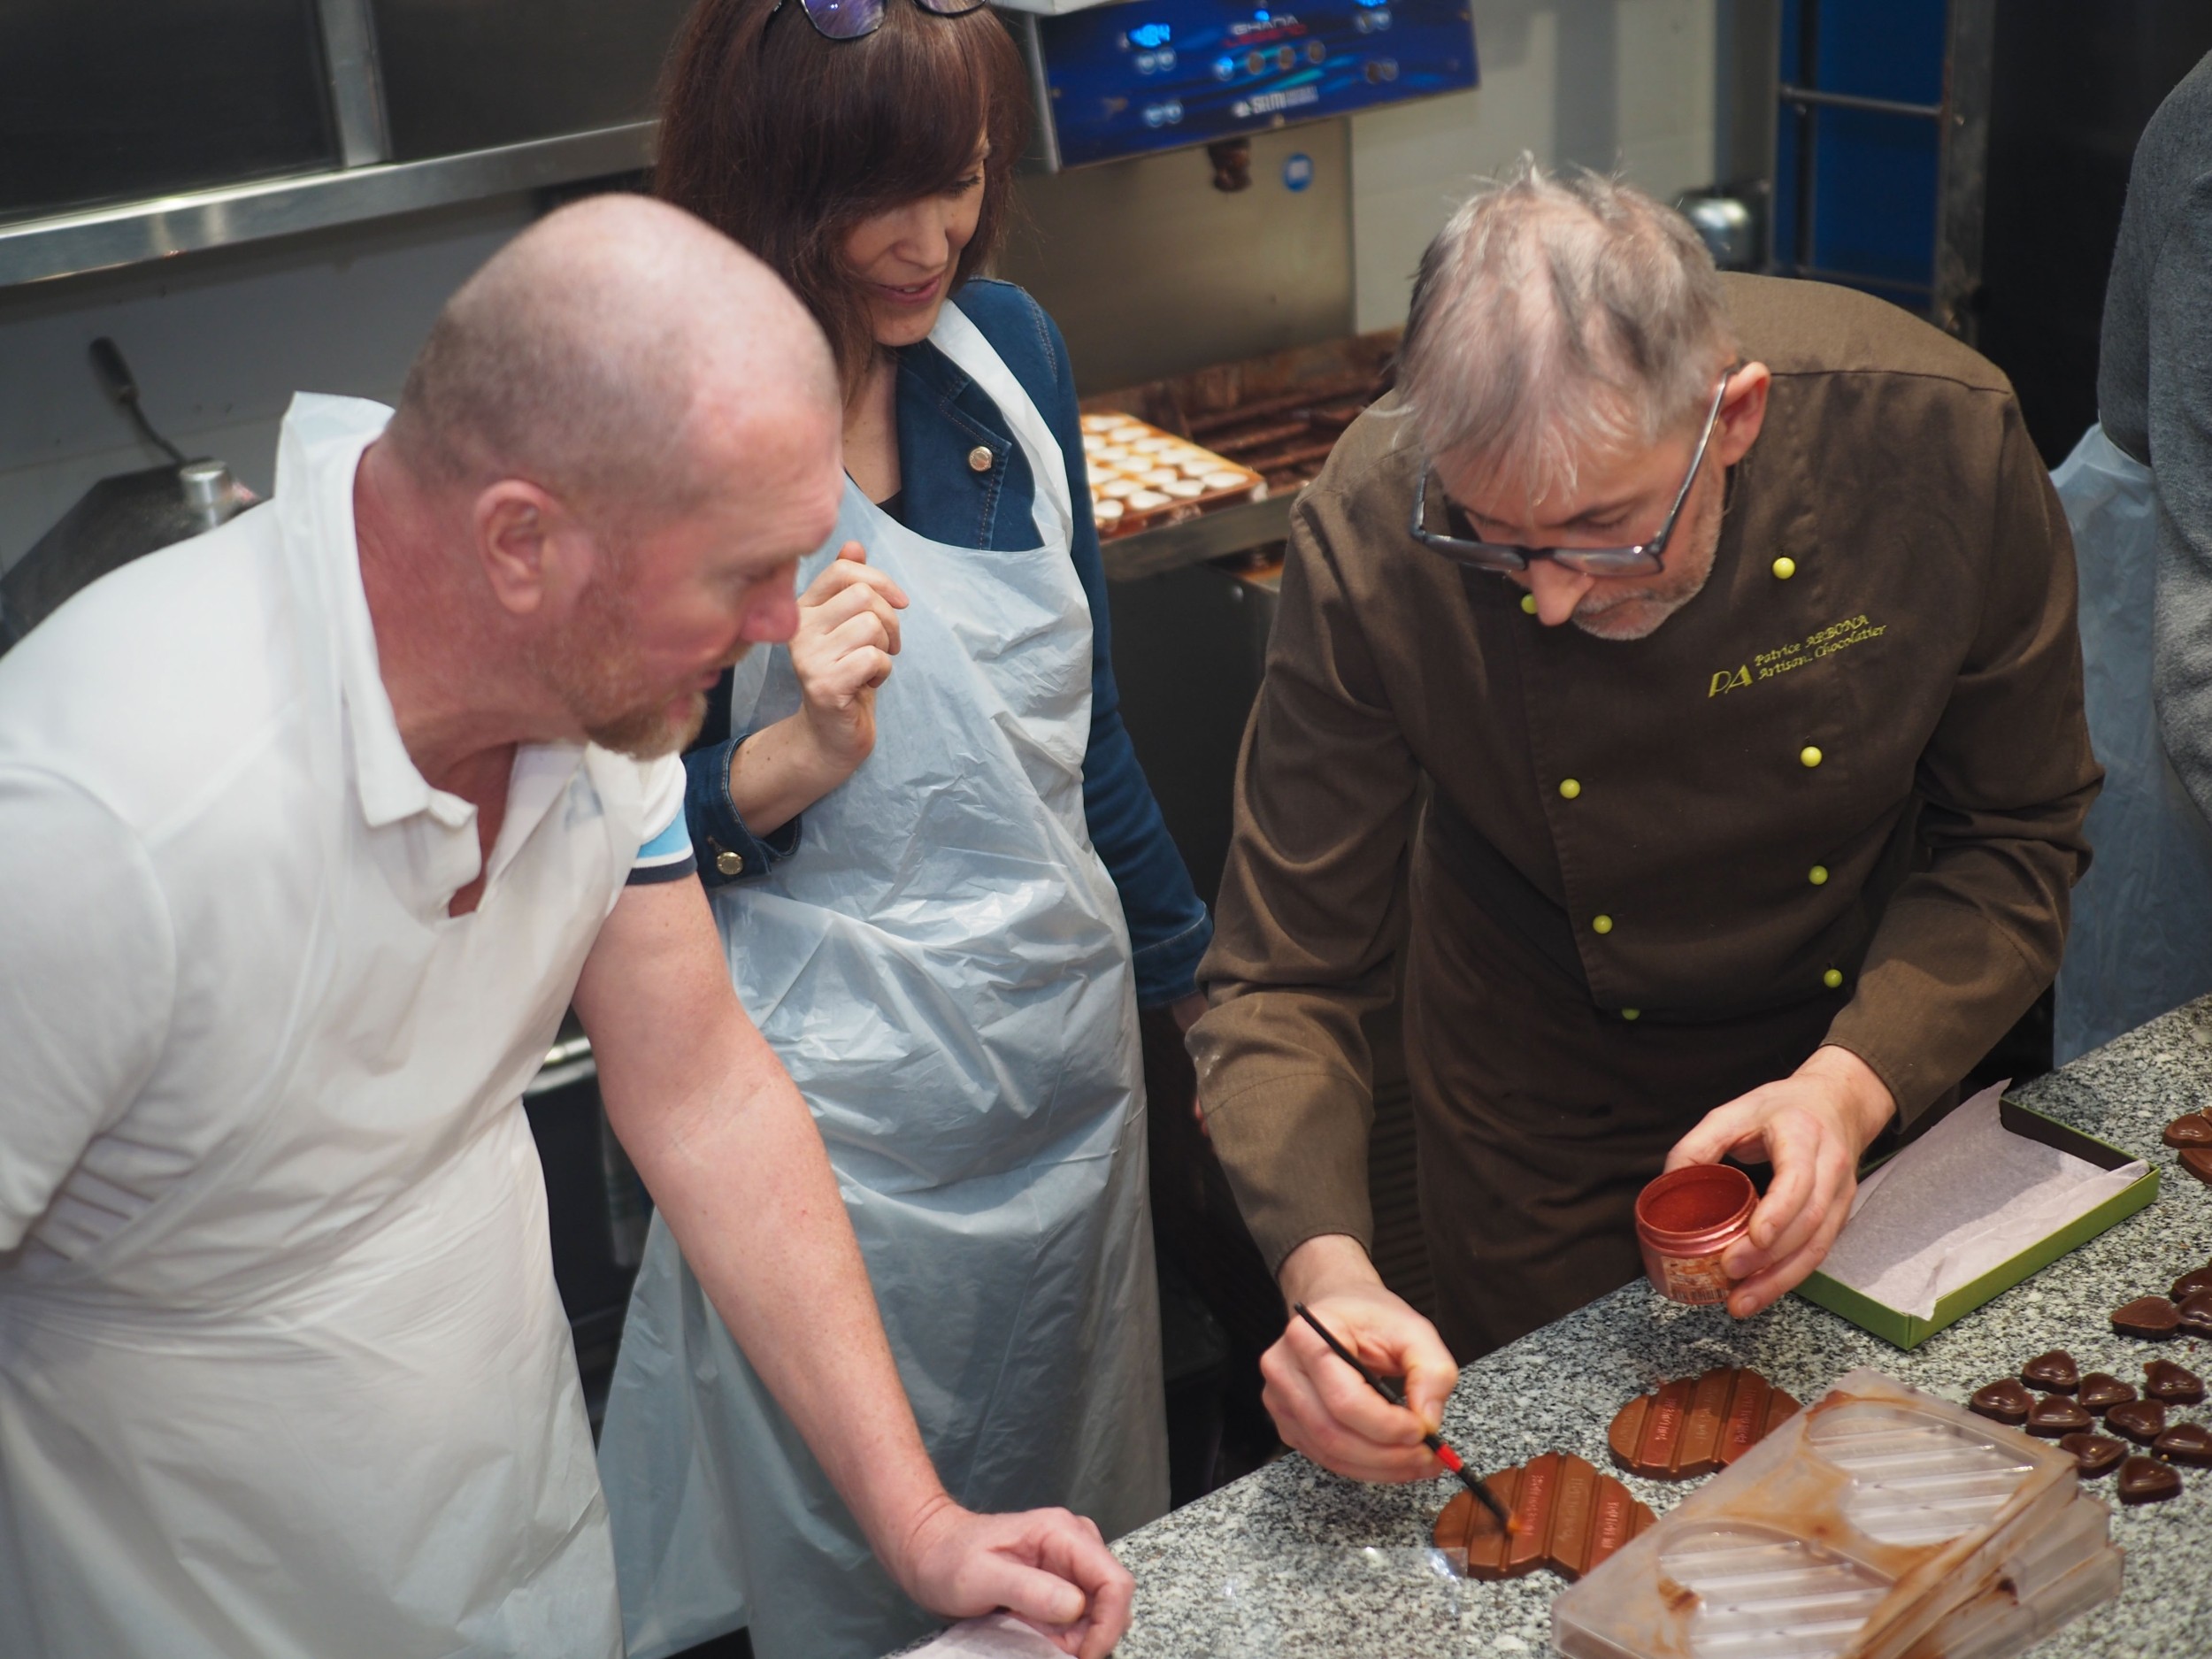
(2154, 400)
(2180, 432)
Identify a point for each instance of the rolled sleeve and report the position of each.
(1167, 969)
(665, 853)
(727, 851)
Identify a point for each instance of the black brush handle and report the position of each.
(1450, 1459)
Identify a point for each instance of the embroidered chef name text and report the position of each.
(1837, 636)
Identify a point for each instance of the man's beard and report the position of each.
(586, 664)
(647, 732)
(1636, 615)
(1632, 616)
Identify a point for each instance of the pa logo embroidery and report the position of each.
(1837, 636)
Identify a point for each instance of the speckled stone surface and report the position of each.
(1296, 1561)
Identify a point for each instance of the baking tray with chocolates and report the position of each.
(1281, 414)
(1287, 437)
(1141, 477)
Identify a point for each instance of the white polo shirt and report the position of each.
(282, 1367)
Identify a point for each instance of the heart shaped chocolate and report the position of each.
(1693, 1425)
(1566, 1516)
(2142, 1421)
(2198, 1162)
(2190, 1283)
(2192, 1129)
(2052, 1373)
(2100, 1390)
(2147, 1480)
(2188, 1443)
(2153, 1318)
(2094, 1455)
(2195, 1313)
(2004, 1400)
(2162, 1380)
(2055, 1415)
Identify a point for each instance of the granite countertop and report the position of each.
(1292, 1560)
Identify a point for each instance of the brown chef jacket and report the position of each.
(1837, 797)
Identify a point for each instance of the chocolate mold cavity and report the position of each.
(1915, 1478)
(1751, 1582)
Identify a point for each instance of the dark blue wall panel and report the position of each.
(1874, 176)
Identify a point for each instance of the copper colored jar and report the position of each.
(1685, 1220)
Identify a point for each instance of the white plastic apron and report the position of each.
(317, 1397)
(2141, 939)
(944, 968)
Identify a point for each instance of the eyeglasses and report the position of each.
(850, 20)
(1640, 560)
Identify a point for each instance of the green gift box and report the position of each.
(1907, 1329)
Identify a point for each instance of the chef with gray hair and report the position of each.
(1676, 684)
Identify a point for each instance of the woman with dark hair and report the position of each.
(943, 881)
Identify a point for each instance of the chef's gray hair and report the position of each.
(1556, 315)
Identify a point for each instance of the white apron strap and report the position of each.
(963, 341)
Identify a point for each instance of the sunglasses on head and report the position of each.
(850, 20)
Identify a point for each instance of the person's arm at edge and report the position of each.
(733, 1161)
(88, 988)
(2180, 423)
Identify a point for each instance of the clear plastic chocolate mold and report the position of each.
(1879, 1523)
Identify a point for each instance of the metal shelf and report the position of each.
(1211, 535)
(40, 249)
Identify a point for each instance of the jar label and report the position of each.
(1695, 1278)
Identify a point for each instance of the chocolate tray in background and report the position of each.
(1143, 478)
(1278, 415)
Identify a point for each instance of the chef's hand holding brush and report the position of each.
(1325, 1407)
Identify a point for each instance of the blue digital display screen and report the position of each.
(1156, 74)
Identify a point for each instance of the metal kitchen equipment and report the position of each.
(138, 129)
(119, 519)
(1143, 75)
(215, 124)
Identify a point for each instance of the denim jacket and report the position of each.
(942, 416)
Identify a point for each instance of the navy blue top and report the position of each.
(942, 416)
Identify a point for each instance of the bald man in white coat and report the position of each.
(313, 827)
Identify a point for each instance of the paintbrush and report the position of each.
(1444, 1454)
